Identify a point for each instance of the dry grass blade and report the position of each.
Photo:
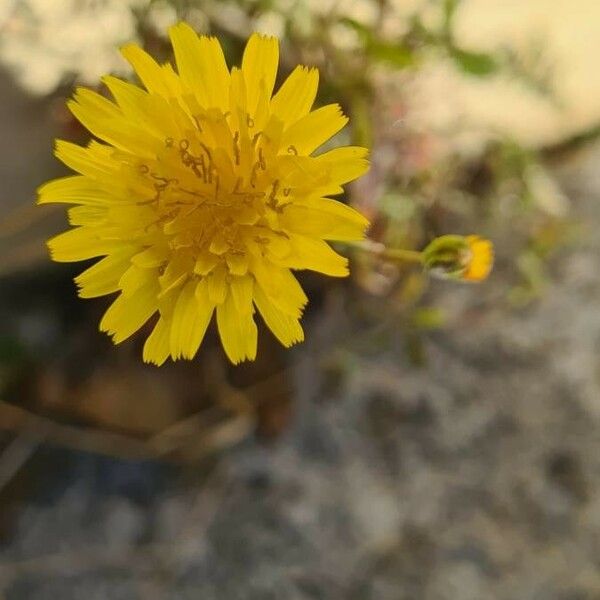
(16, 454)
(15, 418)
(191, 439)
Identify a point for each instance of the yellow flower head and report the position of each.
(468, 258)
(203, 195)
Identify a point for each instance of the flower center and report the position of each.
(215, 195)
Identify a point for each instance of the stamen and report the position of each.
(194, 193)
(279, 208)
(164, 181)
(150, 225)
(197, 122)
(202, 173)
(272, 202)
(147, 202)
(254, 174)
(236, 148)
(180, 203)
(292, 150)
(207, 150)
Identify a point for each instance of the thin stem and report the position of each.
(379, 249)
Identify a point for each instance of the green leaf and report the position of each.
(450, 7)
(364, 32)
(474, 63)
(428, 318)
(396, 55)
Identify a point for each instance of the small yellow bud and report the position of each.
(466, 258)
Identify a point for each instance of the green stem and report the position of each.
(379, 249)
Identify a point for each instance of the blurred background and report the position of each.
(429, 440)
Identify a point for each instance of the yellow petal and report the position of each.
(344, 164)
(156, 348)
(136, 106)
(279, 245)
(316, 255)
(173, 83)
(259, 67)
(482, 258)
(237, 263)
(241, 289)
(285, 328)
(94, 161)
(237, 98)
(324, 218)
(205, 263)
(126, 315)
(87, 215)
(158, 116)
(201, 66)
(313, 130)
(80, 244)
(147, 69)
(103, 277)
(219, 244)
(295, 97)
(237, 330)
(177, 271)
(303, 174)
(217, 285)
(155, 256)
(107, 122)
(281, 287)
(191, 317)
(136, 277)
(74, 189)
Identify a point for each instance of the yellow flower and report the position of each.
(468, 258)
(203, 196)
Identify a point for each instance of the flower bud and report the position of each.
(466, 258)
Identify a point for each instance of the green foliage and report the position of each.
(474, 63)
(398, 55)
(427, 318)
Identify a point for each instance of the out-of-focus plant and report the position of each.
(47, 43)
